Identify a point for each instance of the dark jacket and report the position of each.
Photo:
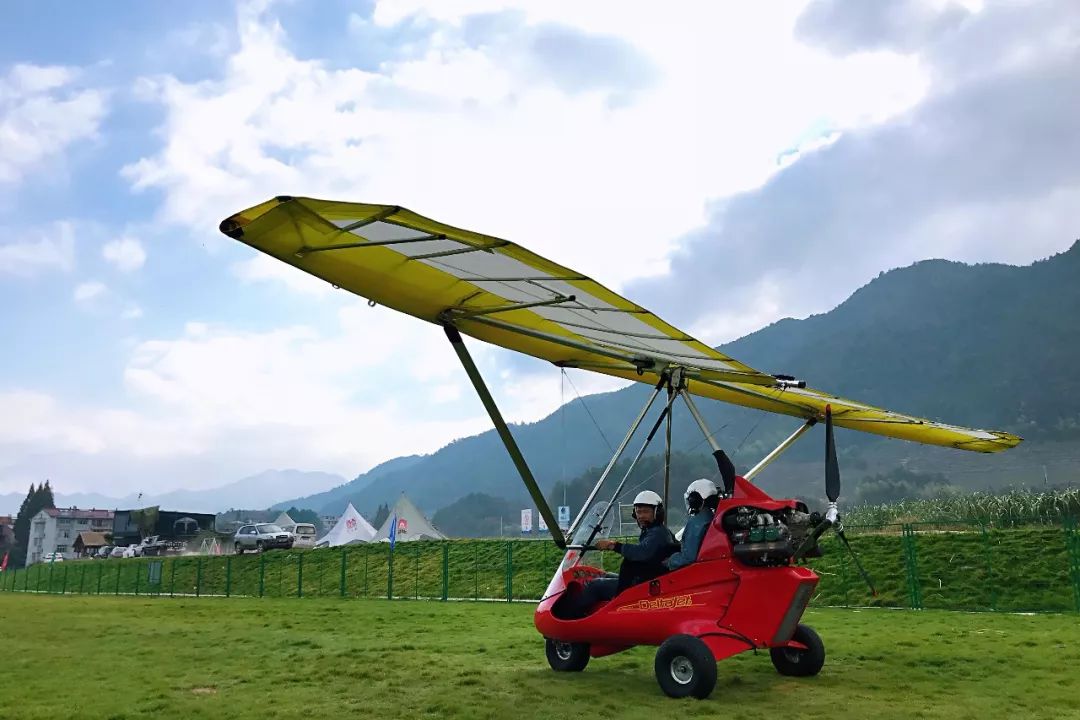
(693, 534)
(644, 560)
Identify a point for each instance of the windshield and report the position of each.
(305, 529)
(593, 526)
(268, 529)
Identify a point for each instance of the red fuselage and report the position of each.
(731, 606)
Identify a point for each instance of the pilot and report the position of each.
(643, 560)
(702, 497)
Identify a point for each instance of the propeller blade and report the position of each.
(862, 570)
(832, 467)
(727, 471)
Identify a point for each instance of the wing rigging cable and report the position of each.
(500, 292)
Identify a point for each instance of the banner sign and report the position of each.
(541, 524)
(564, 517)
(526, 521)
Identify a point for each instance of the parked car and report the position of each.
(52, 557)
(103, 552)
(303, 535)
(117, 552)
(131, 551)
(262, 536)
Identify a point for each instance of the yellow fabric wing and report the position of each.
(501, 293)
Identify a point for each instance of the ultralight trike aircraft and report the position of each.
(746, 590)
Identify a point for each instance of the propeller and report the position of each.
(832, 514)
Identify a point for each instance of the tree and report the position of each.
(37, 499)
(380, 516)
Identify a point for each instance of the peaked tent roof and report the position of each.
(284, 519)
(412, 524)
(351, 527)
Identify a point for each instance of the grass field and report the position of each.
(127, 657)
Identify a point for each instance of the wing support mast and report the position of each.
(504, 433)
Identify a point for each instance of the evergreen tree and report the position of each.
(380, 516)
(37, 499)
(46, 499)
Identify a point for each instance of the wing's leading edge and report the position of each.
(501, 293)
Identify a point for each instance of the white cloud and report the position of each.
(51, 248)
(133, 312)
(465, 134)
(87, 292)
(42, 113)
(125, 253)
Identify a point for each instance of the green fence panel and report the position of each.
(1031, 569)
(533, 564)
(881, 550)
(1072, 541)
(951, 566)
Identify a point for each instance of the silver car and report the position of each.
(261, 536)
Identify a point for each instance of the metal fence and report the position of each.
(956, 565)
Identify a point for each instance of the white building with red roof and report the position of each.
(55, 530)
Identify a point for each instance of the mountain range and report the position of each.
(987, 345)
(256, 491)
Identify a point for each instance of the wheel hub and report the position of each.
(563, 650)
(682, 670)
(792, 655)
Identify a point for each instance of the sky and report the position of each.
(725, 166)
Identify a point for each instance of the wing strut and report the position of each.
(780, 448)
(504, 432)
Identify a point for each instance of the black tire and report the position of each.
(566, 657)
(685, 667)
(259, 546)
(800, 663)
(238, 548)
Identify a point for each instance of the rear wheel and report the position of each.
(566, 656)
(685, 667)
(238, 548)
(798, 662)
(259, 546)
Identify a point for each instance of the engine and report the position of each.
(766, 538)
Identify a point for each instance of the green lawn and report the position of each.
(128, 657)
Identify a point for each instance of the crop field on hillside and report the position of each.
(127, 658)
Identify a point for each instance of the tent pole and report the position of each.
(504, 432)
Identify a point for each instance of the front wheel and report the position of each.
(259, 546)
(566, 656)
(238, 548)
(685, 667)
(799, 662)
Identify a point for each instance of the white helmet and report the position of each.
(698, 492)
(648, 497)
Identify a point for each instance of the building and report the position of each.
(7, 530)
(130, 526)
(55, 530)
(88, 543)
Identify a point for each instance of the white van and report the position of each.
(303, 535)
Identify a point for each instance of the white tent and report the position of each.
(351, 527)
(283, 520)
(411, 524)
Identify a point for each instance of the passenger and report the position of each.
(702, 497)
(642, 561)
